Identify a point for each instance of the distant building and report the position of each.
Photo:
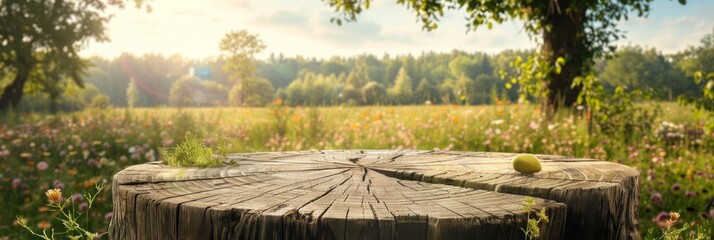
(200, 71)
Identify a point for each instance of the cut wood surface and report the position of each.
(374, 194)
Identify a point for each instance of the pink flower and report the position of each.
(16, 182)
(661, 217)
(676, 187)
(108, 216)
(58, 184)
(83, 207)
(42, 166)
(656, 198)
(77, 197)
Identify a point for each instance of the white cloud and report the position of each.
(303, 28)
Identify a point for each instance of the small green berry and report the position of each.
(526, 163)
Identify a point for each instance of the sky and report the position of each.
(194, 28)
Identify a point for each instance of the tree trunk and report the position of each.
(374, 194)
(13, 93)
(566, 39)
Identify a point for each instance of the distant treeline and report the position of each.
(456, 77)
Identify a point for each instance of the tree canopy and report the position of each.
(45, 36)
(577, 31)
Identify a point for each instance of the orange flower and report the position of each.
(54, 195)
(278, 101)
(89, 183)
(72, 171)
(44, 224)
(43, 209)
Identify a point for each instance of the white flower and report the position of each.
(497, 122)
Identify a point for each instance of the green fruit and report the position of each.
(526, 163)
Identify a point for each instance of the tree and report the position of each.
(426, 91)
(252, 92)
(698, 62)
(239, 48)
(186, 92)
(576, 31)
(374, 93)
(133, 96)
(401, 92)
(637, 68)
(359, 76)
(49, 32)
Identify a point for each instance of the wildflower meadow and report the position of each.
(74, 152)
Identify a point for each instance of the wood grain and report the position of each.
(374, 194)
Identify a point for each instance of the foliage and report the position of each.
(532, 230)
(576, 31)
(191, 91)
(238, 48)
(46, 36)
(401, 92)
(531, 75)
(639, 68)
(69, 98)
(671, 232)
(309, 81)
(253, 92)
(189, 153)
(70, 218)
(374, 93)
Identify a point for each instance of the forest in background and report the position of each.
(456, 77)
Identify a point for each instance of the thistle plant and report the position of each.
(532, 230)
(68, 215)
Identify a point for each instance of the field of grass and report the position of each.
(75, 151)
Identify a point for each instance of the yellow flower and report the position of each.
(674, 216)
(54, 195)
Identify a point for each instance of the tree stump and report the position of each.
(374, 194)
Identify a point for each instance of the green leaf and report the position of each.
(560, 61)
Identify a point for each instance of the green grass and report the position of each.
(189, 153)
(84, 148)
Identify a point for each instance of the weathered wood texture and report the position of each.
(372, 194)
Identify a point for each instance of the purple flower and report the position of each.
(690, 194)
(92, 162)
(656, 198)
(77, 197)
(676, 187)
(42, 166)
(108, 216)
(58, 184)
(661, 217)
(83, 207)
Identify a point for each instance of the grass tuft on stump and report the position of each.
(189, 153)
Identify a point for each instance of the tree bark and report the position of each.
(13, 93)
(566, 39)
